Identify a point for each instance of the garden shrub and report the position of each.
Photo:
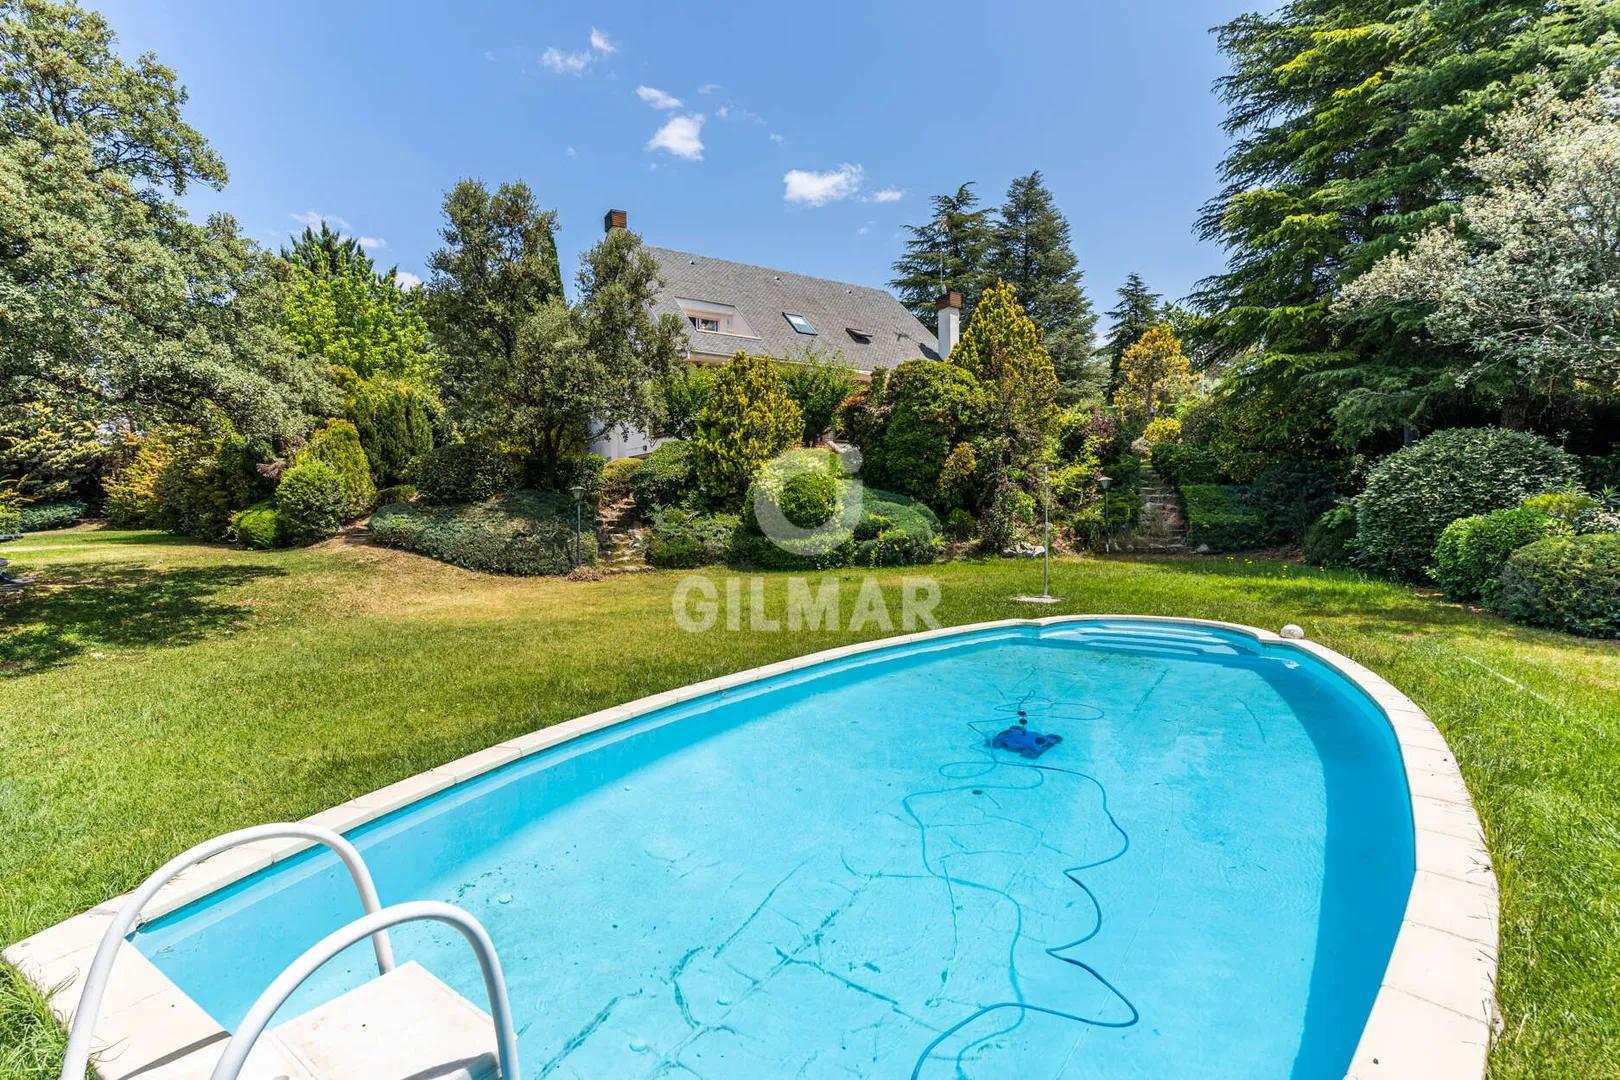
(132, 498)
(310, 499)
(1330, 541)
(1569, 583)
(1289, 496)
(395, 422)
(809, 499)
(397, 493)
(586, 472)
(1008, 521)
(337, 443)
(891, 530)
(1180, 464)
(1414, 493)
(522, 532)
(667, 477)
(10, 510)
(927, 416)
(961, 525)
(682, 539)
(463, 472)
(1162, 430)
(207, 476)
(37, 517)
(1568, 508)
(259, 526)
(818, 383)
(1219, 518)
(748, 419)
(1471, 551)
(616, 477)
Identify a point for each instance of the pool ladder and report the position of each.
(374, 924)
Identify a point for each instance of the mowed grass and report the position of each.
(155, 692)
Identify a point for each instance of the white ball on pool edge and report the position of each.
(1293, 632)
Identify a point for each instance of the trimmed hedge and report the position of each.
(1471, 551)
(1569, 583)
(892, 530)
(310, 499)
(463, 472)
(259, 526)
(50, 515)
(683, 539)
(1219, 518)
(666, 477)
(522, 532)
(1414, 493)
(1181, 464)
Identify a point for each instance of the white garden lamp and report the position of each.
(1046, 596)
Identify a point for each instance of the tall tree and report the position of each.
(1153, 374)
(1346, 116)
(1002, 348)
(112, 303)
(1139, 310)
(343, 313)
(327, 251)
(948, 251)
(497, 269)
(1031, 250)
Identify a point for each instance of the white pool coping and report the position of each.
(1432, 1020)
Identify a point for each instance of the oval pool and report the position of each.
(1110, 848)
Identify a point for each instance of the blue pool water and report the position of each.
(837, 874)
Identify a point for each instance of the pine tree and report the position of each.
(327, 252)
(1003, 348)
(1030, 250)
(1138, 311)
(946, 252)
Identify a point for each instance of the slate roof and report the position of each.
(761, 295)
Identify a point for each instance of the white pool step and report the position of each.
(405, 1025)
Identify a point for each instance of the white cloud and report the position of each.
(819, 189)
(575, 63)
(681, 136)
(708, 88)
(406, 279)
(777, 138)
(571, 152)
(657, 98)
(862, 230)
(489, 54)
(313, 218)
(723, 112)
(372, 243)
(888, 194)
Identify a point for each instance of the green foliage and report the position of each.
(1289, 496)
(207, 476)
(1471, 551)
(1138, 310)
(1180, 464)
(118, 308)
(961, 526)
(809, 499)
(926, 410)
(678, 399)
(1007, 521)
(338, 444)
(1569, 583)
(1414, 493)
(259, 526)
(1219, 518)
(10, 509)
(617, 476)
(1568, 508)
(396, 493)
(891, 530)
(667, 477)
(818, 383)
(310, 500)
(396, 422)
(39, 516)
(327, 251)
(748, 420)
(587, 471)
(463, 472)
(341, 312)
(132, 499)
(521, 532)
(1330, 541)
(682, 539)
(53, 447)
(952, 246)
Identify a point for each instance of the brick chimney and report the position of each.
(949, 307)
(615, 219)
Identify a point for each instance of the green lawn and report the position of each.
(155, 692)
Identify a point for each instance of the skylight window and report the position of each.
(799, 323)
(864, 337)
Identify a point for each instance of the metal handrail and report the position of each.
(264, 1009)
(77, 1058)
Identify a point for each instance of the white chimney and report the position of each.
(949, 307)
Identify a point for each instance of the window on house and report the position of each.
(704, 322)
(799, 323)
(862, 336)
(714, 318)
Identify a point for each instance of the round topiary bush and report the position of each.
(1471, 551)
(337, 444)
(1569, 583)
(310, 499)
(463, 472)
(259, 526)
(809, 499)
(1414, 493)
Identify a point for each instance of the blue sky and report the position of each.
(797, 136)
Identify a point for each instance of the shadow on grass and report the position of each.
(76, 609)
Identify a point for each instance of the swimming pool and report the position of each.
(837, 872)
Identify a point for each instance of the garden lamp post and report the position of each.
(1046, 596)
(578, 493)
(1106, 482)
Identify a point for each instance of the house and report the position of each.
(732, 307)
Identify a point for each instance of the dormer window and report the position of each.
(863, 337)
(708, 317)
(704, 322)
(799, 323)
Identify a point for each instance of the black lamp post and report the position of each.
(578, 493)
(1106, 482)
